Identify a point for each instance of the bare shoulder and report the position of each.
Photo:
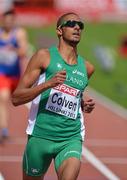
(20, 31)
(41, 58)
(43, 52)
(90, 68)
(89, 65)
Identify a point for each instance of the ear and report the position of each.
(59, 31)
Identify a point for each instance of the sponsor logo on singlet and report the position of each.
(75, 71)
(64, 100)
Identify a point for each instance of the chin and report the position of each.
(75, 42)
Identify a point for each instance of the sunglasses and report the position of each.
(72, 24)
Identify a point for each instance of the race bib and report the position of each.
(64, 100)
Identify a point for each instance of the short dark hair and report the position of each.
(61, 18)
(9, 12)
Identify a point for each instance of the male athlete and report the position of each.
(54, 81)
(13, 48)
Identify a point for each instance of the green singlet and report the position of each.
(55, 127)
(56, 113)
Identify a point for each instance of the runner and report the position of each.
(54, 81)
(13, 48)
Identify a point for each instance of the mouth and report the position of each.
(76, 34)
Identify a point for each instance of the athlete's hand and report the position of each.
(57, 79)
(88, 105)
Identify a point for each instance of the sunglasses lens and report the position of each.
(73, 24)
(81, 25)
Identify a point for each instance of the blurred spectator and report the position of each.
(105, 58)
(5, 5)
(13, 48)
(123, 46)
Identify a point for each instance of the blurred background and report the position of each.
(104, 44)
(104, 40)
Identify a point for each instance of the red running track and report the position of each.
(106, 138)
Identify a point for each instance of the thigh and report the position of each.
(69, 169)
(4, 88)
(4, 82)
(13, 82)
(37, 157)
(68, 160)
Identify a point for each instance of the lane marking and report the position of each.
(108, 160)
(1, 176)
(108, 103)
(106, 142)
(88, 142)
(112, 160)
(91, 158)
(11, 159)
(17, 141)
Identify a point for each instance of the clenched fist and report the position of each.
(57, 79)
(87, 105)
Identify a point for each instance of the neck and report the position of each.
(68, 53)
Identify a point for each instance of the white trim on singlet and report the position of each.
(34, 108)
(82, 124)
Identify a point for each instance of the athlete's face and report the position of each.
(71, 29)
(8, 21)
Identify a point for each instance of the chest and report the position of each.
(76, 75)
(8, 40)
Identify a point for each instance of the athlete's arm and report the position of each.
(90, 68)
(87, 102)
(22, 39)
(25, 91)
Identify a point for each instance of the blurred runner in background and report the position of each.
(6, 5)
(13, 48)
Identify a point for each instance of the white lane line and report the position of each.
(108, 160)
(106, 142)
(112, 160)
(17, 141)
(108, 103)
(88, 142)
(10, 158)
(89, 156)
(1, 177)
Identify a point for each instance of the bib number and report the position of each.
(64, 100)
